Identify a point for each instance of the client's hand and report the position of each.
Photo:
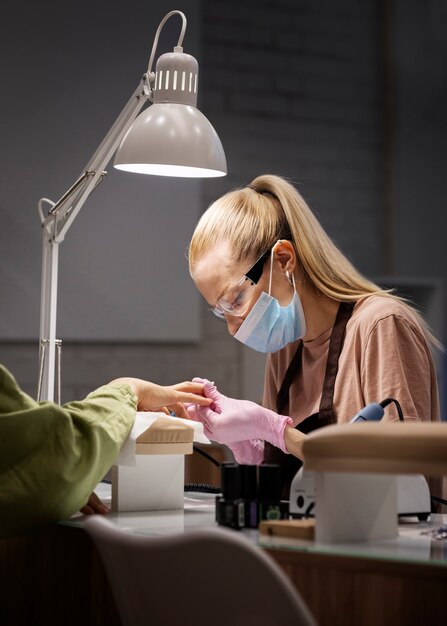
(228, 420)
(94, 506)
(152, 397)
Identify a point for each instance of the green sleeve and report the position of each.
(51, 456)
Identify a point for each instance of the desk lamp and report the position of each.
(170, 138)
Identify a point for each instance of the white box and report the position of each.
(155, 483)
(355, 507)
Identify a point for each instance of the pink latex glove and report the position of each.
(229, 420)
(247, 452)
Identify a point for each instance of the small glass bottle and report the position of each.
(230, 510)
(249, 479)
(269, 492)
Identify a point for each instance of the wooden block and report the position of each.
(407, 447)
(295, 528)
(166, 436)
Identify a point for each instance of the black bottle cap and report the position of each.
(269, 482)
(231, 481)
(249, 481)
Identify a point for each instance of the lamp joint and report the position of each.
(93, 172)
(147, 84)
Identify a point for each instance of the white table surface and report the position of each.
(416, 542)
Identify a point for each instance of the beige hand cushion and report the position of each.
(378, 447)
(166, 436)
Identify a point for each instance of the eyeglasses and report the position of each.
(237, 299)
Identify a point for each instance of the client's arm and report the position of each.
(52, 457)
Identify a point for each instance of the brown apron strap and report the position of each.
(283, 394)
(290, 464)
(335, 347)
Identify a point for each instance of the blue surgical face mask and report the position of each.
(269, 326)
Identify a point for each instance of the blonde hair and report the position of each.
(253, 218)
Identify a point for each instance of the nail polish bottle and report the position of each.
(230, 510)
(269, 492)
(249, 480)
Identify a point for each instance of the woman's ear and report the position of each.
(284, 253)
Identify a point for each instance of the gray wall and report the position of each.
(329, 94)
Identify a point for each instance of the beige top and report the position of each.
(385, 354)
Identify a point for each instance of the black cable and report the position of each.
(388, 401)
(440, 500)
(204, 487)
(208, 456)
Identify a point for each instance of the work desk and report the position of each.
(54, 575)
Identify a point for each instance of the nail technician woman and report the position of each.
(336, 341)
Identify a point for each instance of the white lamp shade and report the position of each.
(171, 139)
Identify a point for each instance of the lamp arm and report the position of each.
(64, 211)
(55, 226)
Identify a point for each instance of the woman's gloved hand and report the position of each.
(228, 420)
(248, 452)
